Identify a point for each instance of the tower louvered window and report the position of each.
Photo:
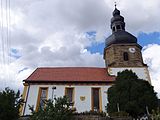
(125, 56)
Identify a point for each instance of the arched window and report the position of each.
(118, 27)
(125, 56)
(114, 29)
(123, 28)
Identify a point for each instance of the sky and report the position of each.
(55, 33)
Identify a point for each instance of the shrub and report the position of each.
(57, 110)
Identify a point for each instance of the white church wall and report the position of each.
(104, 97)
(31, 99)
(83, 91)
(80, 91)
(142, 72)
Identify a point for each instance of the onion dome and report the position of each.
(116, 12)
(119, 35)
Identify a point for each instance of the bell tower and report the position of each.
(121, 48)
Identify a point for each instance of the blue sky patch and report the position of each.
(96, 47)
(151, 38)
(143, 39)
(91, 35)
(15, 53)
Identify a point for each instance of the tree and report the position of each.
(9, 104)
(57, 110)
(131, 94)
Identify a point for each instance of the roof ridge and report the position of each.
(69, 67)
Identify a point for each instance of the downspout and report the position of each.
(26, 99)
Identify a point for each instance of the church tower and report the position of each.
(122, 50)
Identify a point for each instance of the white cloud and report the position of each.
(151, 57)
(53, 32)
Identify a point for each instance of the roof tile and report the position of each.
(70, 74)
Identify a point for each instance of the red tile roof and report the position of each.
(70, 74)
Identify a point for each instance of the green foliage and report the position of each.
(131, 94)
(57, 110)
(9, 104)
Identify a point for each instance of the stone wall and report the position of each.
(24, 118)
(114, 56)
(88, 117)
(95, 117)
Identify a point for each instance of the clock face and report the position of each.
(132, 50)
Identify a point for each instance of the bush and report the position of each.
(57, 110)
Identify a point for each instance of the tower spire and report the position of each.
(115, 4)
(117, 21)
(119, 35)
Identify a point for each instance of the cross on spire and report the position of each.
(115, 4)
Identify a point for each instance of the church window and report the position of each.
(42, 97)
(69, 92)
(96, 99)
(125, 56)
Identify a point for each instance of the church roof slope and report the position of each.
(70, 74)
(120, 37)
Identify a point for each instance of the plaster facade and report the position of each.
(80, 91)
(142, 72)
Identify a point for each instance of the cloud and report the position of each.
(140, 16)
(151, 57)
(54, 33)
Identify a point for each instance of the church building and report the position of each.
(86, 87)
